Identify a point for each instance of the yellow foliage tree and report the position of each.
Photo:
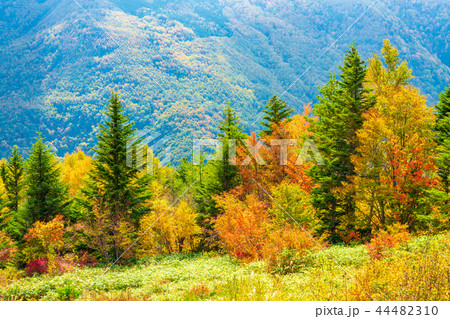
(75, 169)
(295, 202)
(168, 228)
(394, 164)
(107, 236)
(282, 157)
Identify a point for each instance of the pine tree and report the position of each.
(340, 114)
(184, 171)
(113, 186)
(3, 204)
(220, 175)
(443, 138)
(46, 194)
(12, 174)
(276, 111)
(230, 130)
(356, 97)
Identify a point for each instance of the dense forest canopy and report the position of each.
(176, 63)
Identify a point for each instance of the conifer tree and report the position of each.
(114, 187)
(221, 175)
(229, 130)
(12, 173)
(3, 216)
(443, 138)
(340, 114)
(276, 110)
(46, 194)
(184, 171)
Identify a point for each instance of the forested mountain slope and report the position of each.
(176, 63)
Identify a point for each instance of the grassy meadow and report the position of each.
(417, 270)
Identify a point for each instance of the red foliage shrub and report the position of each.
(85, 259)
(350, 237)
(39, 266)
(64, 264)
(381, 243)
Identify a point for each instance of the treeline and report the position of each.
(369, 158)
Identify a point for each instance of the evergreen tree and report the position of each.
(443, 138)
(276, 111)
(229, 130)
(46, 194)
(3, 217)
(114, 187)
(12, 173)
(356, 98)
(221, 175)
(340, 111)
(185, 175)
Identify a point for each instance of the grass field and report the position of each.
(418, 270)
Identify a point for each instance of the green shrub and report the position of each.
(289, 261)
(68, 293)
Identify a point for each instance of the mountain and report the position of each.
(176, 63)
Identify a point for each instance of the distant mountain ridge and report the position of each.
(176, 64)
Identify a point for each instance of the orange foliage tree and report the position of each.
(281, 155)
(248, 231)
(244, 227)
(44, 240)
(395, 160)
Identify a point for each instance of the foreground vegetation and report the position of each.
(416, 270)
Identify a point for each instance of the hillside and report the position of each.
(175, 65)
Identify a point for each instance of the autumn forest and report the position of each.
(357, 184)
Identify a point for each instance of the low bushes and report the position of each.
(415, 272)
(382, 243)
(249, 232)
(7, 249)
(66, 263)
(43, 241)
(37, 266)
